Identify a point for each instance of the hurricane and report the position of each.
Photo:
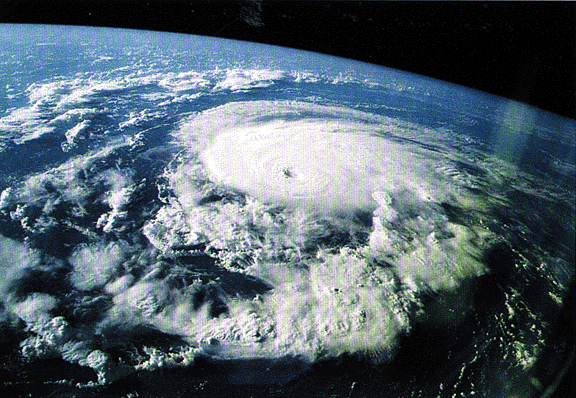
(250, 219)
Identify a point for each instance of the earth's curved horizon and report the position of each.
(252, 220)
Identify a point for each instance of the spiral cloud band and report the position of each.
(340, 212)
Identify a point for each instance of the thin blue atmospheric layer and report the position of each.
(171, 199)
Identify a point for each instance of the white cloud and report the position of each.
(95, 265)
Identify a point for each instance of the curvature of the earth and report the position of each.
(255, 220)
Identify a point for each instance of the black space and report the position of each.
(523, 51)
